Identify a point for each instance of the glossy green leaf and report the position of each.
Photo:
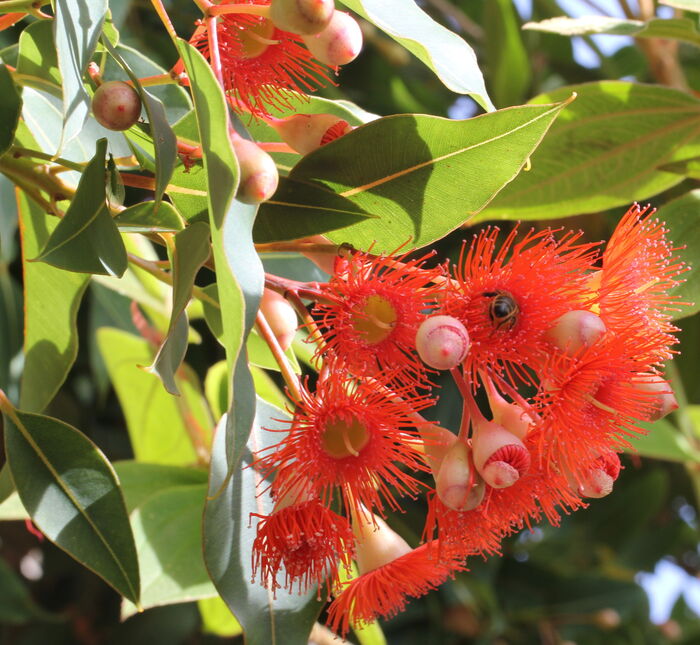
(163, 136)
(259, 354)
(688, 167)
(663, 441)
(687, 5)
(510, 74)
(37, 62)
(159, 425)
(216, 388)
(682, 29)
(77, 28)
(168, 534)
(51, 301)
(10, 109)
(267, 389)
(217, 618)
(72, 494)
(300, 209)
(239, 273)
(431, 176)
(16, 604)
(229, 531)
(11, 328)
(682, 218)
(144, 217)
(171, 353)
(443, 51)
(612, 125)
(86, 239)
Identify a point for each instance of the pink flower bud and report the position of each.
(442, 342)
(377, 544)
(339, 43)
(509, 415)
(499, 456)
(116, 105)
(305, 17)
(575, 330)
(258, 172)
(306, 132)
(281, 317)
(437, 442)
(457, 485)
(599, 480)
(662, 401)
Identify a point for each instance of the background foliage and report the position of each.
(632, 133)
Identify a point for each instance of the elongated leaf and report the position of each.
(682, 217)
(239, 273)
(452, 59)
(163, 136)
(168, 534)
(51, 301)
(37, 58)
(145, 218)
(687, 167)
(10, 109)
(86, 239)
(77, 28)
(682, 29)
(432, 174)
(299, 209)
(217, 618)
(612, 125)
(229, 531)
(10, 324)
(171, 353)
(159, 425)
(72, 494)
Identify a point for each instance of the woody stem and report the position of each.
(288, 374)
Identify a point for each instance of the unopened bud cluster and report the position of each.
(566, 339)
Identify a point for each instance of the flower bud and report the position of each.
(457, 485)
(575, 330)
(339, 43)
(437, 441)
(281, 317)
(116, 105)
(258, 172)
(324, 261)
(662, 401)
(499, 456)
(376, 543)
(509, 415)
(442, 342)
(599, 480)
(306, 132)
(305, 17)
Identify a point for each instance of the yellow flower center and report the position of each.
(257, 38)
(341, 439)
(377, 320)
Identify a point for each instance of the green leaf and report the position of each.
(171, 353)
(51, 301)
(612, 125)
(168, 534)
(431, 176)
(37, 63)
(16, 604)
(86, 239)
(159, 424)
(72, 494)
(300, 209)
(508, 61)
(239, 273)
(145, 217)
(430, 42)
(259, 354)
(164, 139)
(682, 29)
(688, 167)
(663, 441)
(141, 481)
(191, 251)
(229, 531)
(267, 389)
(217, 618)
(11, 328)
(682, 218)
(77, 28)
(10, 109)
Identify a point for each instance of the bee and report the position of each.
(503, 309)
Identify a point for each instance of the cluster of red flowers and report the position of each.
(565, 341)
